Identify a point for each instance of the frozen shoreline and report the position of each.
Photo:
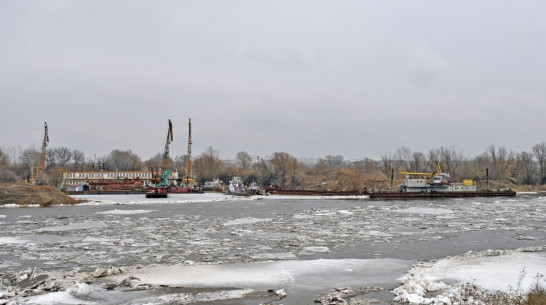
(444, 281)
(423, 283)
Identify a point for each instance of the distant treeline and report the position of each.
(331, 172)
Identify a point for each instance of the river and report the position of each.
(302, 245)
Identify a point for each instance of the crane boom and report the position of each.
(438, 171)
(41, 164)
(189, 170)
(166, 151)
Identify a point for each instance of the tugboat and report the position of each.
(156, 192)
(433, 182)
(436, 184)
(237, 187)
(159, 190)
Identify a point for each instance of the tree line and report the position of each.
(282, 169)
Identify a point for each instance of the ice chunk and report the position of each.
(12, 240)
(242, 221)
(125, 212)
(430, 211)
(80, 289)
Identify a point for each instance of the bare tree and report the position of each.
(525, 171)
(244, 159)
(29, 157)
(334, 161)
(122, 160)
(451, 160)
(208, 165)
(6, 175)
(62, 155)
(432, 160)
(51, 158)
(78, 157)
(417, 164)
(403, 158)
(154, 162)
(13, 154)
(497, 159)
(388, 164)
(284, 169)
(3, 158)
(180, 163)
(264, 172)
(539, 150)
(367, 166)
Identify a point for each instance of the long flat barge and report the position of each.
(395, 195)
(103, 192)
(411, 195)
(313, 193)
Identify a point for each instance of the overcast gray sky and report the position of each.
(311, 78)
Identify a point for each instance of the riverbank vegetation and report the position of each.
(497, 167)
(26, 194)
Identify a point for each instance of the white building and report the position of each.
(86, 177)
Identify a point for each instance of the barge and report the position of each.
(414, 185)
(415, 195)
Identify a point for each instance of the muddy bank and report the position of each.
(25, 194)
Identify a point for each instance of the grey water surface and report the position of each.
(369, 242)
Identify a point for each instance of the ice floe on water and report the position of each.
(450, 280)
(209, 296)
(125, 212)
(480, 274)
(420, 210)
(12, 240)
(312, 250)
(130, 199)
(75, 226)
(237, 244)
(133, 199)
(246, 220)
(281, 274)
(298, 197)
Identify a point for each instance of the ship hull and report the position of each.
(410, 195)
(156, 192)
(395, 195)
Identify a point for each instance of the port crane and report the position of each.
(167, 143)
(438, 171)
(35, 173)
(436, 177)
(41, 165)
(188, 172)
(161, 180)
